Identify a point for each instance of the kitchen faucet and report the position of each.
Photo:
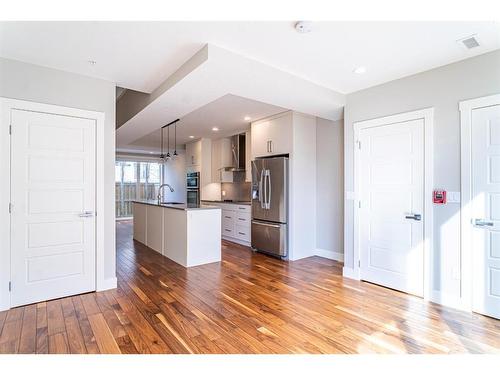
(160, 189)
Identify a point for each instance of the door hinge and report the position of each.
(10, 129)
(10, 208)
(359, 204)
(359, 144)
(10, 286)
(359, 263)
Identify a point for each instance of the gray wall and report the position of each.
(330, 185)
(38, 84)
(441, 88)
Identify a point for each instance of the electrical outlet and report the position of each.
(223, 193)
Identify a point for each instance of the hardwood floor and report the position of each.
(248, 303)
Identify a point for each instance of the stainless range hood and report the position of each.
(238, 154)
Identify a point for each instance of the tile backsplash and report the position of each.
(236, 191)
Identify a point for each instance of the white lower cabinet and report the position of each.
(242, 233)
(235, 222)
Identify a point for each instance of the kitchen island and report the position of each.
(187, 234)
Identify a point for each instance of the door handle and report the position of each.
(483, 223)
(266, 224)
(268, 203)
(416, 217)
(86, 214)
(260, 188)
(265, 190)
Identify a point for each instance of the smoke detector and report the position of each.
(303, 27)
(469, 42)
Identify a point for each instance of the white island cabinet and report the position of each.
(188, 235)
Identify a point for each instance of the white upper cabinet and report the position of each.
(248, 157)
(216, 160)
(226, 153)
(273, 136)
(193, 154)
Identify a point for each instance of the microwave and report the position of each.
(193, 180)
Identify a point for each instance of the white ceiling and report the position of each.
(214, 72)
(226, 113)
(141, 55)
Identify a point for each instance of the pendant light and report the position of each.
(168, 142)
(167, 156)
(162, 155)
(175, 139)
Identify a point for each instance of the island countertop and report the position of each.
(177, 206)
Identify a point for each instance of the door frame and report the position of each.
(426, 114)
(466, 107)
(6, 105)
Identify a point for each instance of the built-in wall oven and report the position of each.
(193, 188)
(193, 180)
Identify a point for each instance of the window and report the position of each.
(135, 180)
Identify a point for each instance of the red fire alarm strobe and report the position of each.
(439, 197)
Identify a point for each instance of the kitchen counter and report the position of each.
(246, 203)
(178, 206)
(188, 235)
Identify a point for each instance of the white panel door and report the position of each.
(486, 210)
(391, 192)
(53, 203)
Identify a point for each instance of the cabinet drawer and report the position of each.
(227, 223)
(227, 215)
(242, 232)
(243, 218)
(243, 208)
(227, 207)
(228, 231)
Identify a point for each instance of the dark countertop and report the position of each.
(247, 203)
(178, 206)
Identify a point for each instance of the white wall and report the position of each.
(302, 200)
(330, 189)
(441, 88)
(174, 173)
(35, 83)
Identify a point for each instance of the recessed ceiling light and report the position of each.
(360, 70)
(151, 152)
(92, 62)
(247, 118)
(303, 27)
(215, 129)
(191, 136)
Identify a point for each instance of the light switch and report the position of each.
(453, 197)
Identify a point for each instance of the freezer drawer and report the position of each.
(269, 237)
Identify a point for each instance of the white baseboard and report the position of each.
(106, 284)
(351, 273)
(235, 240)
(333, 255)
(449, 300)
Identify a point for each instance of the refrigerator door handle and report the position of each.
(268, 173)
(266, 224)
(260, 189)
(265, 189)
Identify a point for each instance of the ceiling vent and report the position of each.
(470, 42)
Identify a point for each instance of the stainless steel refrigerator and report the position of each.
(270, 205)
